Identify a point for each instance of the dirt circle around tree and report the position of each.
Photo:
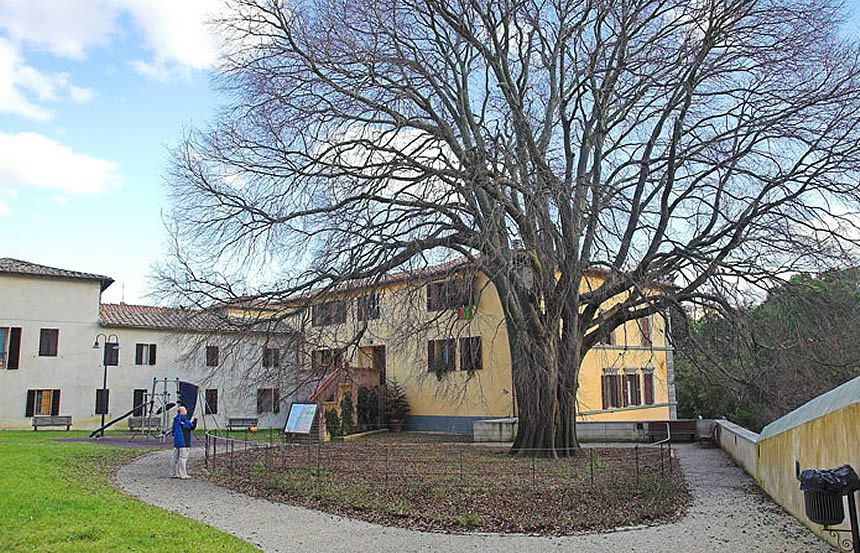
(431, 483)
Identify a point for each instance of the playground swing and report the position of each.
(156, 407)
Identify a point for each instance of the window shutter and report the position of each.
(152, 350)
(137, 402)
(55, 403)
(276, 400)
(260, 400)
(625, 391)
(211, 401)
(648, 377)
(14, 349)
(431, 351)
(31, 403)
(48, 339)
(604, 381)
(138, 354)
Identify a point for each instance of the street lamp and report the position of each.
(111, 343)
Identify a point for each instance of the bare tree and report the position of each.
(710, 143)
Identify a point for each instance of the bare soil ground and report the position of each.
(436, 483)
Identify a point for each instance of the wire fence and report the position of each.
(383, 462)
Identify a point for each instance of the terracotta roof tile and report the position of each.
(125, 315)
(12, 266)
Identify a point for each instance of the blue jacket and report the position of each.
(182, 427)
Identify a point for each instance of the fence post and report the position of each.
(385, 449)
(214, 450)
(670, 459)
(662, 468)
(460, 462)
(591, 452)
(206, 451)
(534, 469)
(232, 469)
(636, 449)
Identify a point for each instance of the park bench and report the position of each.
(139, 424)
(52, 420)
(241, 422)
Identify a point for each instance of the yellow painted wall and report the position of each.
(826, 442)
(487, 392)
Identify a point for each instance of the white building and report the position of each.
(50, 319)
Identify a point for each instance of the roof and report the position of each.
(834, 400)
(12, 266)
(124, 315)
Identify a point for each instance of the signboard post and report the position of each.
(302, 419)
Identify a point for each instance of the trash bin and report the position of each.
(823, 491)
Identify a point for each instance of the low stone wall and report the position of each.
(741, 444)
(821, 434)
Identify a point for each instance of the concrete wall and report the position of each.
(822, 434)
(741, 444)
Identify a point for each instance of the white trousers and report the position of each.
(179, 462)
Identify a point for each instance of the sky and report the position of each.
(92, 95)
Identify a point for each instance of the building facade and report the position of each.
(442, 336)
(52, 318)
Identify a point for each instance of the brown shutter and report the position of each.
(31, 403)
(604, 382)
(152, 349)
(55, 403)
(14, 349)
(624, 390)
(431, 350)
(211, 397)
(138, 354)
(260, 400)
(649, 388)
(276, 400)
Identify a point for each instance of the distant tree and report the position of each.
(802, 341)
(712, 143)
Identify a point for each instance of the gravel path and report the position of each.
(728, 515)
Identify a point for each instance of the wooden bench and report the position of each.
(53, 420)
(241, 422)
(139, 424)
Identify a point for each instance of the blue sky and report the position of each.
(92, 93)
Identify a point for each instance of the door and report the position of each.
(379, 363)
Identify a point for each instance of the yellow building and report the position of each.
(452, 358)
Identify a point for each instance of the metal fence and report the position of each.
(380, 462)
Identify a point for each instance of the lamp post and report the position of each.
(111, 343)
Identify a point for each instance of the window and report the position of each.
(368, 307)
(470, 354)
(49, 339)
(268, 400)
(211, 398)
(111, 355)
(138, 402)
(441, 355)
(328, 313)
(271, 357)
(326, 359)
(632, 394)
(212, 353)
(449, 294)
(648, 386)
(10, 347)
(645, 330)
(102, 401)
(144, 354)
(42, 403)
(611, 385)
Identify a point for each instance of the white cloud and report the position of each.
(174, 31)
(29, 159)
(4, 208)
(22, 87)
(62, 27)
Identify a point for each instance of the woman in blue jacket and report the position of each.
(182, 428)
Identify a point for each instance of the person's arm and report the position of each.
(194, 423)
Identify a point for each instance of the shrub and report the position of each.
(346, 414)
(332, 423)
(396, 406)
(368, 407)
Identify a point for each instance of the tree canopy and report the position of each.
(713, 144)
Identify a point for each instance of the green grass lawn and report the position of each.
(56, 496)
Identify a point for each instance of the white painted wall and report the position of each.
(73, 307)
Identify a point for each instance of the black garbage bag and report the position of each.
(840, 480)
